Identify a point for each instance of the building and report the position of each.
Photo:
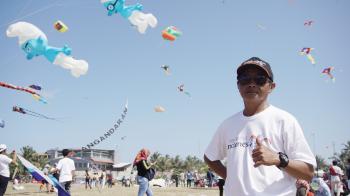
(86, 159)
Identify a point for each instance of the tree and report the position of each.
(321, 162)
(345, 154)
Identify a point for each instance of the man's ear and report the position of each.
(272, 86)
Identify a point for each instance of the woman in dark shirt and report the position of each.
(142, 167)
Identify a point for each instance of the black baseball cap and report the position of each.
(255, 61)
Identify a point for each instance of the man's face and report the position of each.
(254, 85)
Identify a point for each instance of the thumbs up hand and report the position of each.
(262, 155)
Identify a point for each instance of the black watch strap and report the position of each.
(283, 160)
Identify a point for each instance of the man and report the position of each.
(66, 168)
(336, 173)
(210, 177)
(265, 146)
(4, 168)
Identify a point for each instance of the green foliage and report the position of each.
(176, 164)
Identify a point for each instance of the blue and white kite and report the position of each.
(39, 176)
(132, 13)
(34, 43)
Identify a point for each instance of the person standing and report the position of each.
(336, 173)
(265, 146)
(87, 179)
(189, 178)
(4, 168)
(143, 166)
(210, 177)
(66, 168)
(103, 178)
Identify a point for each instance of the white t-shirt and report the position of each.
(4, 165)
(337, 170)
(236, 138)
(66, 166)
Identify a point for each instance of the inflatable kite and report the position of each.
(60, 26)
(181, 89)
(34, 43)
(35, 95)
(132, 13)
(327, 71)
(25, 111)
(171, 33)
(159, 109)
(307, 52)
(166, 69)
(2, 123)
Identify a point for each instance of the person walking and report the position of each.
(143, 169)
(5, 168)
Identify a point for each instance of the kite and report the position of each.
(327, 71)
(261, 27)
(159, 109)
(25, 111)
(307, 52)
(181, 88)
(110, 131)
(171, 33)
(34, 43)
(60, 26)
(39, 176)
(308, 22)
(132, 13)
(122, 138)
(36, 87)
(166, 69)
(2, 123)
(35, 95)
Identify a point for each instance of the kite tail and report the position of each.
(142, 20)
(37, 114)
(77, 67)
(312, 60)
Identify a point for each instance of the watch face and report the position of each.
(284, 157)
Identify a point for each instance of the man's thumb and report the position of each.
(258, 142)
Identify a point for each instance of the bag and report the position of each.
(150, 174)
(332, 171)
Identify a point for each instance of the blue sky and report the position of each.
(124, 64)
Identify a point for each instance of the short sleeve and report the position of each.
(59, 165)
(295, 144)
(7, 160)
(72, 165)
(216, 149)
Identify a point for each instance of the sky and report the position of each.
(124, 65)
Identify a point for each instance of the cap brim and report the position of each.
(243, 67)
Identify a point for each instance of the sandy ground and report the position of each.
(117, 190)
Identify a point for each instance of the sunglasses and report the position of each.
(259, 80)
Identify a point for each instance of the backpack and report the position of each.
(150, 174)
(332, 171)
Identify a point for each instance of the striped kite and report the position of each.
(31, 90)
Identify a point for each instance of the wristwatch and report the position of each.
(283, 160)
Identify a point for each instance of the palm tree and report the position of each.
(345, 153)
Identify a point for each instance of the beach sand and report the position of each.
(117, 190)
